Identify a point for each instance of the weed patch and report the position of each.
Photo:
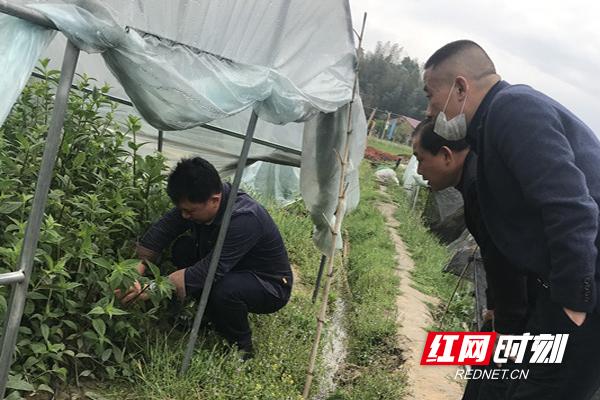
(430, 256)
(374, 360)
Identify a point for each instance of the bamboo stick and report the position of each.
(370, 121)
(339, 215)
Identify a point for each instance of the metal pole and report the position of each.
(415, 198)
(160, 141)
(460, 278)
(478, 316)
(219, 245)
(319, 276)
(12, 277)
(335, 230)
(32, 232)
(28, 14)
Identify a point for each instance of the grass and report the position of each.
(430, 256)
(282, 340)
(389, 147)
(373, 288)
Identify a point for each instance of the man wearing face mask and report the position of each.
(539, 189)
(445, 163)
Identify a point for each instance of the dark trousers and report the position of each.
(486, 389)
(232, 297)
(578, 376)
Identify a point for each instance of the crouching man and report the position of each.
(253, 273)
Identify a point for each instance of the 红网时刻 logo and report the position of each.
(477, 348)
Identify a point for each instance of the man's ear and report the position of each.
(215, 197)
(447, 154)
(462, 85)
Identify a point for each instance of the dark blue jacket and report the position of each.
(252, 243)
(507, 287)
(539, 188)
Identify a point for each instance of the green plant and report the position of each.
(430, 256)
(373, 286)
(101, 197)
(282, 342)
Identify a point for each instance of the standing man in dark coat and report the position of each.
(451, 163)
(539, 189)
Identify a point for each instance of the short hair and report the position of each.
(480, 63)
(420, 126)
(432, 142)
(193, 179)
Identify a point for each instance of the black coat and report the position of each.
(507, 293)
(538, 183)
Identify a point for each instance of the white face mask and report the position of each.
(456, 128)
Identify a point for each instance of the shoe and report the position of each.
(246, 353)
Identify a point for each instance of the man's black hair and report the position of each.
(193, 179)
(432, 142)
(454, 48)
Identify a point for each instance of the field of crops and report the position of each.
(78, 341)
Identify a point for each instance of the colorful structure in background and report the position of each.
(401, 118)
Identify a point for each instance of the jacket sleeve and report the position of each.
(242, 235)
(163, 232)
(530, 137)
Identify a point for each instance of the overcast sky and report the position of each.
(551, 45)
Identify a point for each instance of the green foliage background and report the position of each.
(101, 197)
(391, 82)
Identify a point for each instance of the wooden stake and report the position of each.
(386, 126)
(370, 121)
(339, 216)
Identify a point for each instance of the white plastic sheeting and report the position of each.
(19, 54)
(411, 177)
(386, 176)
(182, 86)
(320, 185)
(288, 60)
(273, 182)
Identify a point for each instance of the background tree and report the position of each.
(391, 82)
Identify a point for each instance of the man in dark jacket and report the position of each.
(446, 163)
(253, 273)
(539, 189)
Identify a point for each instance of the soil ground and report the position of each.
(425, 382)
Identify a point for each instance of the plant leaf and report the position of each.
(19, 384)
(99, 326)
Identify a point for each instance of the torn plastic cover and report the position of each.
(305, 45)
(20, 48)
(320, 186)
(183, 86)
(272, 182)
(411, 177)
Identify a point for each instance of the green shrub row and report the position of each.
(373, 370)
(102, 196)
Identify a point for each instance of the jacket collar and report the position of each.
(465, 170)
(476, 125)
(224, 196)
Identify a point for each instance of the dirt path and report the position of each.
(425, 382)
